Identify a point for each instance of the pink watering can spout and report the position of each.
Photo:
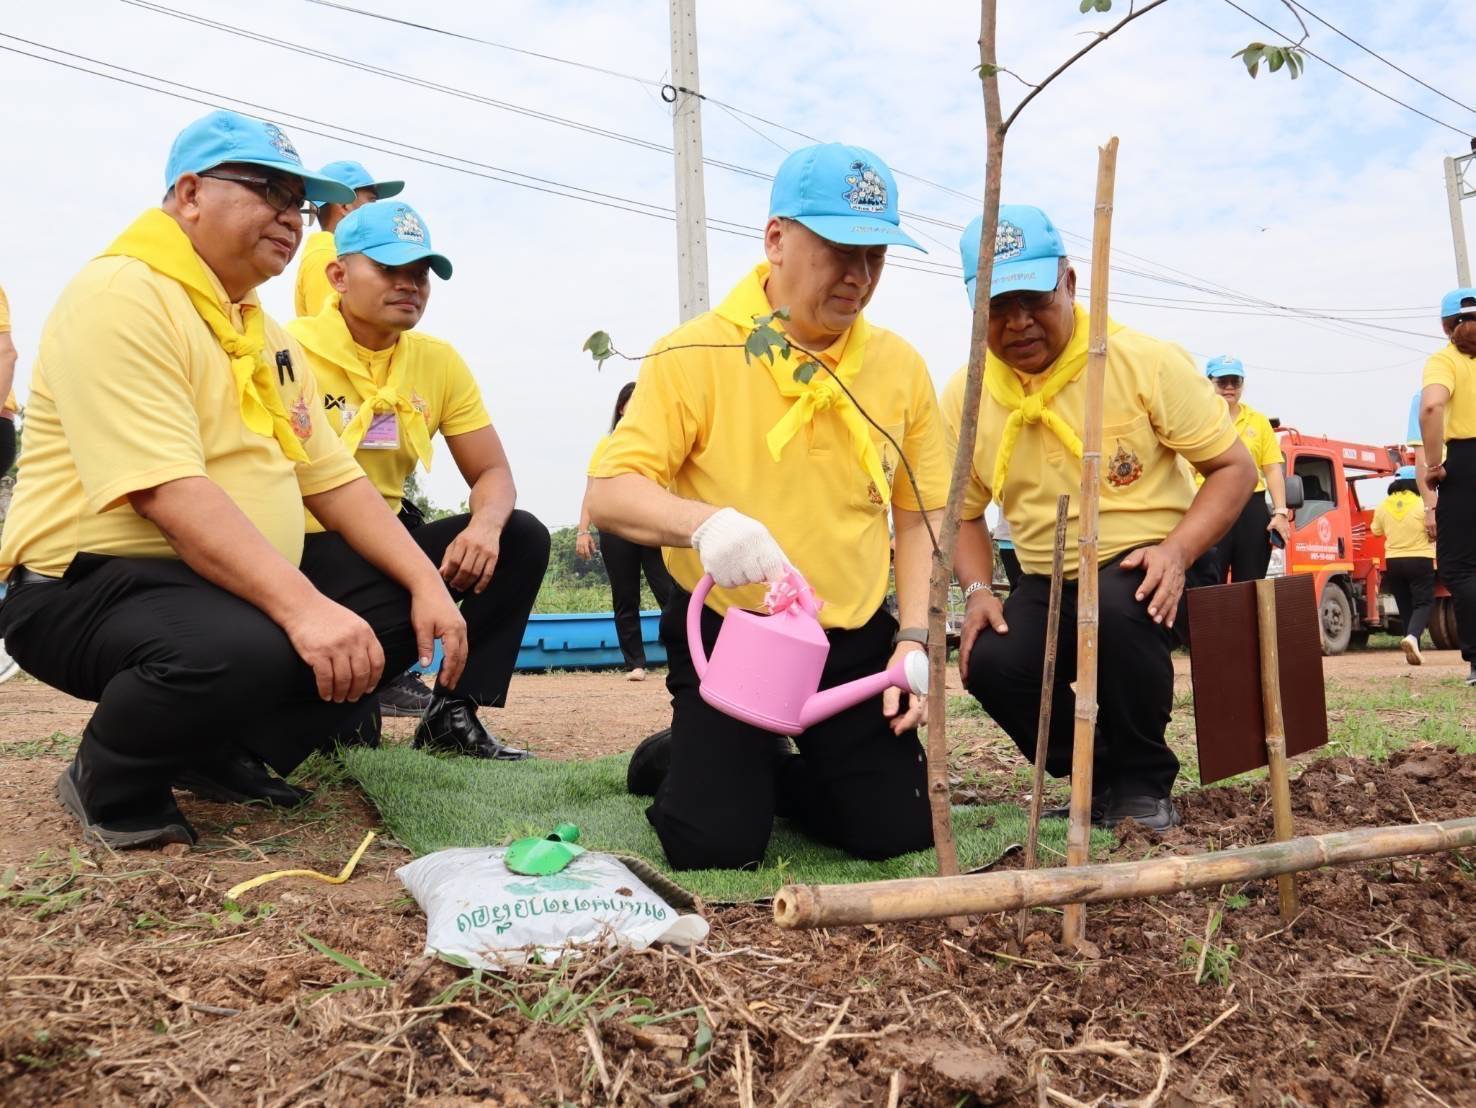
(766, 670)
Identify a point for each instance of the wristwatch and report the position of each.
(1282, 512)
(911, 634)
(977, 586)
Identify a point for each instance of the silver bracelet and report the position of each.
(977, 586)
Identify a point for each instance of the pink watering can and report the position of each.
(765, 670)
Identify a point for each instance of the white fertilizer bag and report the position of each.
(479, 910)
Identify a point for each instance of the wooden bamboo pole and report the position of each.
(972, 894)
(1047, 695)
(1281, 805)
(1079, 831)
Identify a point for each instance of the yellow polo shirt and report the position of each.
(1457, 372)
(312, 289)
(697, 425)
(440, 384)
(1255, 430)
(594, 458)
(1401, 520)
(131, 390)
(1157, 409)
(10, 402)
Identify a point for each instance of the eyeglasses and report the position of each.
(1032, 303)
(278, 196)
(1229, 382)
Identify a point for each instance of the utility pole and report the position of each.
(1457, 188)
(686, 124)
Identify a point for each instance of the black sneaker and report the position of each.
(1099, 808)
(240, 778)
(142, 832)
(451, 725)
(1471, 677)
(1154, 813)
(406, 695)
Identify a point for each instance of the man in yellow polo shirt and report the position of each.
(387, 389)
(1409, 558)
(313, 288)
(1155, 532)
(1245, 552)
(155, 547)
(1448, 425)
(8, 359)
(741, 468)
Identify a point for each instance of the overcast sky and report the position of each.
(1314, 193)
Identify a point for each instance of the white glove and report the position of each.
(738, 550)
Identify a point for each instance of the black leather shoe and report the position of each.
(240, 778)
(1099, 809)
(1154, 813)
(648, 764)
(144, 831)
(451, 725)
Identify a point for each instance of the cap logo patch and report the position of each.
(408, 227)
(1009, 241)
(868, 192)
(282, 143)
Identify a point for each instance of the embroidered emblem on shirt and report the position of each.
(1124, 468)
(282, 143)
(868, 192)
(408, 227)
(300, 418)
(872, 494)
(1009, 241)
(418, 403)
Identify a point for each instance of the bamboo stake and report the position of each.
(939, 794)
(975, 894)
(1281, 805)
(1047, 694)
(1079, 831)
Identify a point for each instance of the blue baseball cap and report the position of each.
(1027, 251)
(392, 233)
(845, 194)
(222, 137)
(1458, 302)
(1223, 365)
(1404, 473)
(355, 176)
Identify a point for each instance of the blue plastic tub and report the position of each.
(576, 640)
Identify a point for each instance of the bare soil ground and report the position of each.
(124, 979)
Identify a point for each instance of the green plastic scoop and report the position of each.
(547, 856)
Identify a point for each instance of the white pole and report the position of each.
(1457, 224)
(686, 122)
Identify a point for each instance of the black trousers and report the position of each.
(854, 784)
(1455, 538)
(7, 444)
(1245, 551)
(182, 670)
(496, 617)
(1412, 584)
(624, 561)
(1135, 678)
(1011, 562)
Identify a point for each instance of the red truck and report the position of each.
(1332, 538)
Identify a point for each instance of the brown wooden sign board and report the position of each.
(1225, 667)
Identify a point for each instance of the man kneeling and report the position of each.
(1155, 533)
(155, 544)
(713, 443)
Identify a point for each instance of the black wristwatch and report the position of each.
(911, 634)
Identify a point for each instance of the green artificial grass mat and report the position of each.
(432, 803)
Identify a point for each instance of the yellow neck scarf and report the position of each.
(1005, 386)
(327, 336)
(1400, 504)
(157, 241)
(821, 392)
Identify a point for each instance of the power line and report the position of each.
(1356, 80)
(1380, 57)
